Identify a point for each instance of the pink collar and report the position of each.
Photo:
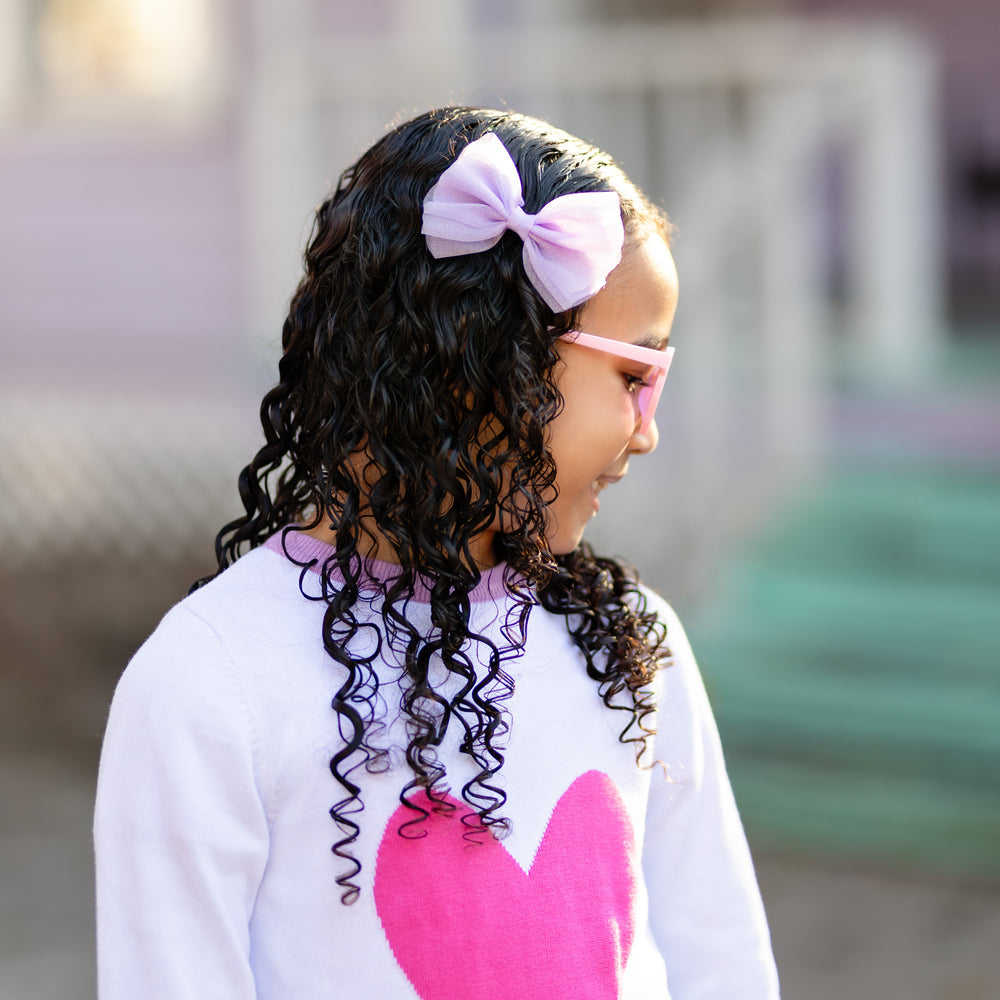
(303, 549)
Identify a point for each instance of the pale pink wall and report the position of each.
(119, 256)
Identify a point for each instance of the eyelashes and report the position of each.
(636, 382)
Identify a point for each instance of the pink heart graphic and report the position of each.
(466, 920)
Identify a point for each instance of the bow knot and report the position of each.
(571, 244)
(520, 222)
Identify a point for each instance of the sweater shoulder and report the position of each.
(258, 586)
(253, 605)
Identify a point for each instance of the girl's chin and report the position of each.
(562, 543)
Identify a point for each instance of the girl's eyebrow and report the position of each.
(656, 343)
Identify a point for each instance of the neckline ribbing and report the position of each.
(313, 553)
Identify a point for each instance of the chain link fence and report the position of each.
(125, 478)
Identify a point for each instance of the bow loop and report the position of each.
(570, 246)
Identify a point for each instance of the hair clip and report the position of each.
(570, 246)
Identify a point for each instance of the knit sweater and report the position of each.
(215, 877)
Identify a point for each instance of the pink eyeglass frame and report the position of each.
(648, 395)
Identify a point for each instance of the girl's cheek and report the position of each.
(628, 406)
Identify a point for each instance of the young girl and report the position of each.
(419, 741)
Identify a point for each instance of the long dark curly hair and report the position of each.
(410, 414)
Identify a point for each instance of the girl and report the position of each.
(404, 746)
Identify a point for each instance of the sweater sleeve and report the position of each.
(705, 908)
(180, 830)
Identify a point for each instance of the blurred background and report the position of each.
(824, 507)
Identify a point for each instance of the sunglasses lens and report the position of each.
(645, 396)
(649, 396)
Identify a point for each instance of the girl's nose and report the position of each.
(643, 443)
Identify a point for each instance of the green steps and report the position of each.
(932, 522)
(854, 664)
(906, 822)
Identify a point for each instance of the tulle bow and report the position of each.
(570, 246)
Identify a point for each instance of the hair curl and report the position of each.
(411, 409)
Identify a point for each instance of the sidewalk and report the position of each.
(46, 903)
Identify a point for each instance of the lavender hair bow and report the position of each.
(570, 246)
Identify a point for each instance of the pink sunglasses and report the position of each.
(649, 394)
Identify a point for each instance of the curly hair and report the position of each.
(410, 414)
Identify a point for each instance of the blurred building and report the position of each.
(120, 194)
(158, 164)
(962, 34)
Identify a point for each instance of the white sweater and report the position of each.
(215, 877)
